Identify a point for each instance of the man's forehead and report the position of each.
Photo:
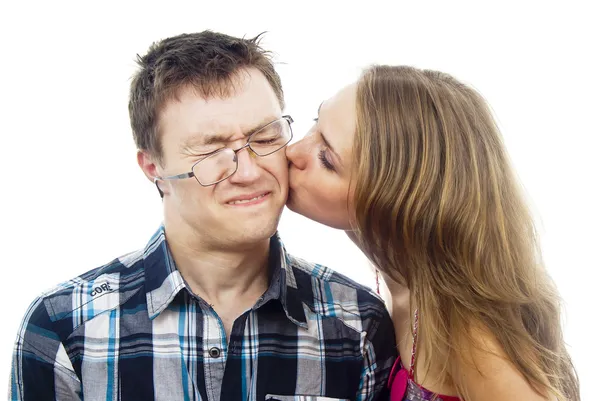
(196, 118)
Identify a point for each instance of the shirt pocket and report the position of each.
(275, 397)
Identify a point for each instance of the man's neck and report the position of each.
(219, 275)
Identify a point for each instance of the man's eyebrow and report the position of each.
(211, 139)
(200, 140)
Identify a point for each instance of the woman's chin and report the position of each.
(294, 205)
(327, 218)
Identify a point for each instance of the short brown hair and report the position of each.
(209, 62)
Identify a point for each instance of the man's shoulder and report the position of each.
(73, 302)
(335, 294)
(324, 274)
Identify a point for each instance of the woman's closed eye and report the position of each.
(323, 152)
(325, 161)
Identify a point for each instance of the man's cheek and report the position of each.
(279, 169)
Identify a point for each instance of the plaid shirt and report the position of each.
(132, 330)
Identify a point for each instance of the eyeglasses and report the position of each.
(221, 164)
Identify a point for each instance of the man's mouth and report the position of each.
(248, 199)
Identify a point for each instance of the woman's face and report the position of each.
(320, 163)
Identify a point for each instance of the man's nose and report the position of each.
(247, 171)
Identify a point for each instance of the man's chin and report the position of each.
(253, 235)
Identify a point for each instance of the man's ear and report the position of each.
(150, 167)
(148, 164)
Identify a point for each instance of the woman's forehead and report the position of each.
(338, 119)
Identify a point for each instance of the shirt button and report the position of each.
(214, 352)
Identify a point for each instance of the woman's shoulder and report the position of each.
(485, 370)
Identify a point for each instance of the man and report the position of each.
(213, 308)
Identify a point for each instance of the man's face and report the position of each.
(244, 208)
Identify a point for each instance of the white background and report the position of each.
(72, 196)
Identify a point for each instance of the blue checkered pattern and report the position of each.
(132, 330)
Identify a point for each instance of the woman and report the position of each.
(411, 164)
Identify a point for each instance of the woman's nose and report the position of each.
(298, 152)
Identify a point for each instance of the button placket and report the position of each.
(215, 353)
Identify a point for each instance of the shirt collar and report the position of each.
(163, 281)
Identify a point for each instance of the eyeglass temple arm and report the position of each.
(172, 177)
(175, 177)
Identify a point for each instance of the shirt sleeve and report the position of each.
(41, 369)
(379, 354)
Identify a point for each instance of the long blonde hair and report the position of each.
(439, 210)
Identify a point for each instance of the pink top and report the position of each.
(401, 382)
